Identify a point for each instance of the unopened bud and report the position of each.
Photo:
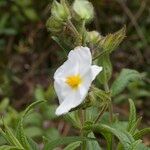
(94, 37)
(83, 10)
(60, 11)
(54, 25)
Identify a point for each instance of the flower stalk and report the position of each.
(106, 87)
(73, 28)
(100, 114)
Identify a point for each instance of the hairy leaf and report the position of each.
(73, 145)
(141, 133)
(20, 130)
(10, 137)
(33, 145)
(93, 144)
(105, 75)
(123, 79)
(124, 137)
(21, 136)
(132, 116)
(112, 41)
(63, 141)
(31, 107)
(6, 147)
(137, 145)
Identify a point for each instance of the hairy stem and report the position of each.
(110, 105)
(73, 28)
(110, 112)
(82, 120)
(100, 114)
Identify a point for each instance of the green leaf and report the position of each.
(21, 135)
(52, 133)
(141, 133)
(102, 96)
(9, 136)
(63, 141)
(137, 145)
(112, 41)
(4, 20)
(124, 137)
(108, 137)
(31, 14)
(20, 130)
(8, 31)
(132, 116)
(93, 145)
(4, 104)
(123, 80)
(6, 147)
(73, 118)
(39, 94)
(73, 145)
(33, 145)
(31, 107)
(36, 119)
(106, 73)
(33, 131)
(135, 126)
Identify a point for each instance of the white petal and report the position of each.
(69, 67)
(95, 71)
(62, 89)
(82, 56)
(79, 61)
(72, 100)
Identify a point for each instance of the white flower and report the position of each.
(73, 79)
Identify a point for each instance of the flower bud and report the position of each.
(54, 25)
(94, 37)
(60, 11)
(83, 10)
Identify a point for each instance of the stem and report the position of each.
(100, 114)
(84, 147)
(82, 120)
(110, 105)
(82, 116)
(111, 112)
(106, 87)
(83, 33)
(73, 28)
(99, 55)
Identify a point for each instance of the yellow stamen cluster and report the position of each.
(74, 81)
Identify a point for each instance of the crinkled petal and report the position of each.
(95, 71)
(82, 56)
(79, 61)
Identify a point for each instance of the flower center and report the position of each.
(74, 81)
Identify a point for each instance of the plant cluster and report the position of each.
(86, 109)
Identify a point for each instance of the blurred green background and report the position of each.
(29, 57)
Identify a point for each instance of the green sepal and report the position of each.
(110, 42)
